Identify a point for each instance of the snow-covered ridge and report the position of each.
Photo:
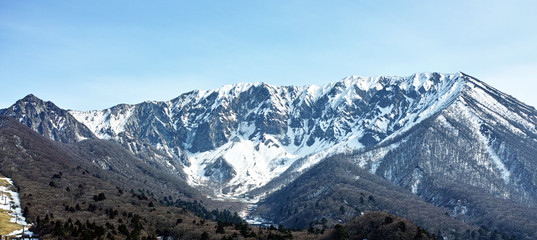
(110, 122)
(241, 136)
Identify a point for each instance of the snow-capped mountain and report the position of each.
(436, 135)
(474, 155)
(484, 139)
(240, 137)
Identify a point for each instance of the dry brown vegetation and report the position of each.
(3, 182)
(6, 226)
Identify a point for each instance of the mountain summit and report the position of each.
(48, 120)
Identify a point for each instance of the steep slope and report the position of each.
(475, 158)
(48, 120)
(240, 137)
(484, 139)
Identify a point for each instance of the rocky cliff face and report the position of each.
(48, 120)
(259, 131)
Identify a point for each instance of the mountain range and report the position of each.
(447, 151)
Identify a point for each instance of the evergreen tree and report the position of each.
(220, 228)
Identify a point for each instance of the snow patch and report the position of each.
(504, 172)
(416, 177)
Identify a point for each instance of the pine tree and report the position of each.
(220, 228)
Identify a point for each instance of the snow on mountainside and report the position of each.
(481, 138)
(105, 124)
(449, 139)
(241, 136)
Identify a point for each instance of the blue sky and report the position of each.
(95, 54)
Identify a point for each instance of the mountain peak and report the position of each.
(47, 119)
(31, 98)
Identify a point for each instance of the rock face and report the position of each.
(432, 134)
(261, 130)
(48, 120)
(484, 139)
